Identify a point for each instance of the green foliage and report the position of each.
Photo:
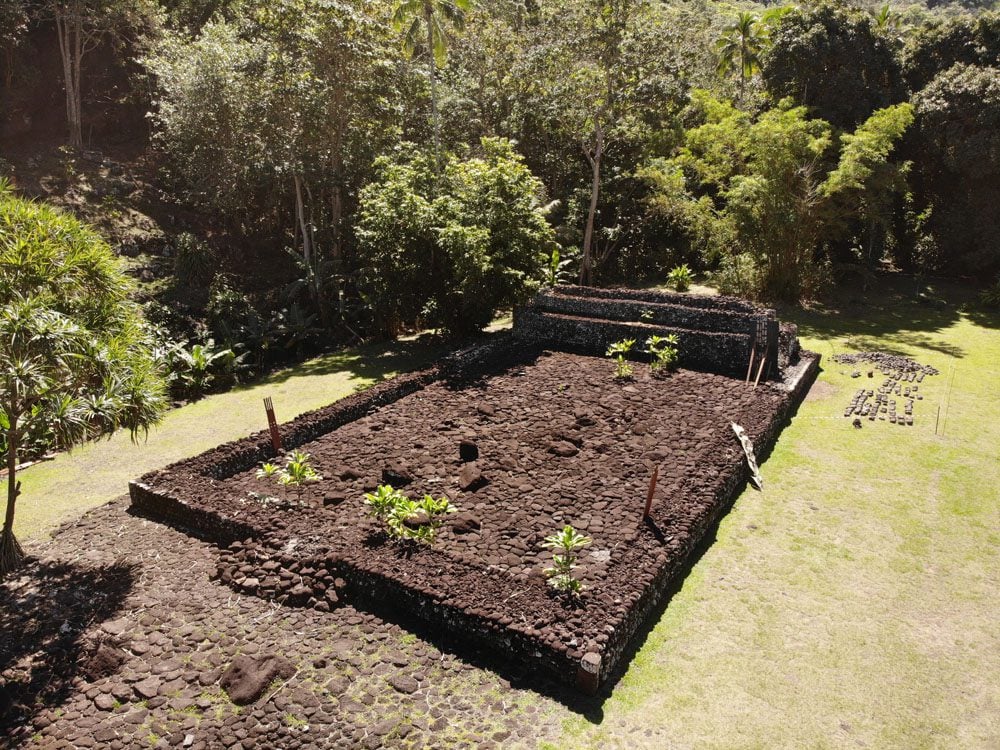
(958, 172)
(767, 187)
(741, 45)
(972, 40)
(297, 472)
(194, 371)
(74, 355)
(194, 260)
(680, 277)
(424, 24)
(664, 353)
(565, 546)
(453, 249)
(619, 350)
(831, 59)
(397, 511)
(990, 297)
(268, 470)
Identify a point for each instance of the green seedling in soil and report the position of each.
(296, 473)
(663, 350)
(268, 471)
(565, 546)
(618, 350)
(394, 509)
(382, 502)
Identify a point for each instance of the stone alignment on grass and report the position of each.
(558, 441)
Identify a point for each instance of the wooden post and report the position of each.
(760, 370)
(652, 489)
(272, 425)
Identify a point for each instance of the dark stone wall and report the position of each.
(734, 481)
(656, 313)
(723, 353)
(157, 504)
(705, 302)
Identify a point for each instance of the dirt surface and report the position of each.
(114, 637)
(559, 441)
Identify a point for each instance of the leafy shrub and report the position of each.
(990, 297)
(680, 277)
(194, 371)
(397, 511)
(455, 247)
(194, 259)
(619, 350)
(663, 350)
(565, 546)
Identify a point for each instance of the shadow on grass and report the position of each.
(44, 614)
(374, 361)
(896, 313)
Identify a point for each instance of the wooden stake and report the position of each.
(652, 489)
(272, 425)
(753, 351)
(760, 370)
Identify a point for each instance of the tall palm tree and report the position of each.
(423, 23)
(742, 43)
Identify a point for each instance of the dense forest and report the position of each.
(283, 177)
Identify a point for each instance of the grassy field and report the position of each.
(854, 602)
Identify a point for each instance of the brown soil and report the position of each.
(560, 442)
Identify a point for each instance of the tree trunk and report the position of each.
(433, 63)
(69, 30)
(594, 159)
(11, 553)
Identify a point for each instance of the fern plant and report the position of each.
(565, 546)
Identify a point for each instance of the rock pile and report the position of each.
(257, 569)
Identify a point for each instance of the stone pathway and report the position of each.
(114, 637)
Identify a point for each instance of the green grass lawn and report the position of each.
(854, 602)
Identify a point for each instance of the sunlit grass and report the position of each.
(854, 602)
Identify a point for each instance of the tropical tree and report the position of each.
(452, 247)
(740, 46)
(74, 356)
(831, 59)
(765, 195)
(424, 24)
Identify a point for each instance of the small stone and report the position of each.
(148, 688)
(468, 450)
(564, 449)
(396, 475)
(404, 684)
(465, 523)
(471, 478)
(104, 702)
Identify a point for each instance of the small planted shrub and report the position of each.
(565, 546)
(618, 351)
(663, 350)
(680, 278)
(296, 473)
(408, 519)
